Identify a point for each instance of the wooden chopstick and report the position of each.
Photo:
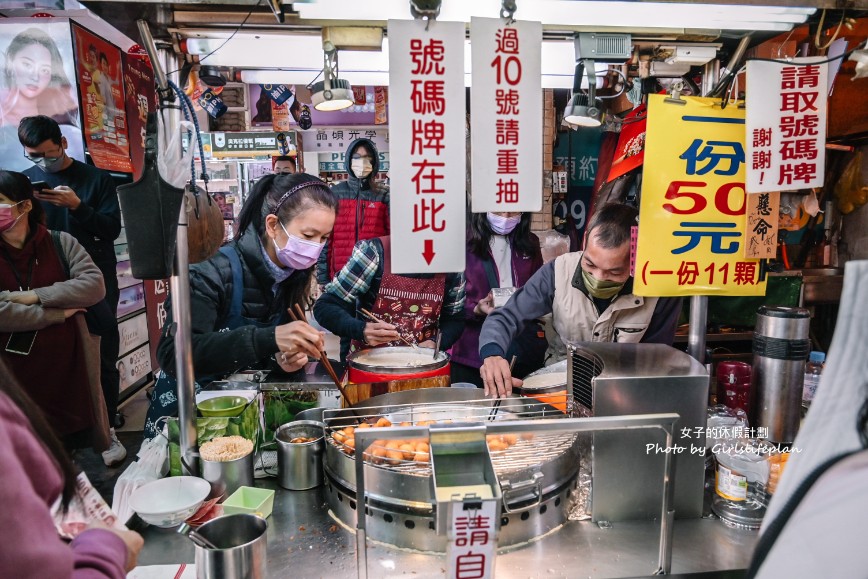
(298, 316)
(374, 318)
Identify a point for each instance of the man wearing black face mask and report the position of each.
(590, 296)
(82, 200)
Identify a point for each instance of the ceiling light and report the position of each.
(580, 113)
(331, 93)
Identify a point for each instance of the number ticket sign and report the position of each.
(426, 136)
(786, 125)
(506, 124)
(472, 540)
(692, 216)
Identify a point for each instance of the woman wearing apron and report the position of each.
(239, 297)
(412, 306)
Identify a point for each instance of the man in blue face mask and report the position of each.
(590, 296)
(80, 199)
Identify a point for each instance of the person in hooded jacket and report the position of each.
(363, 209)
(240, 296)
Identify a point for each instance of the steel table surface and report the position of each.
(304, 541)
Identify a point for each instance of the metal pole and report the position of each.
(179, 283)
(698, 322)
(667, 514)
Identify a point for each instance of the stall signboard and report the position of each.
(37, 57)
(156, 294)
(101, 86)
(133, 333)
(786, 124)
(247, 145)
(339, 139)
(506, 124)
(472, 537)
(763, 216)
(426, 135)
(692, 216)
(337, 162)
(131, 299)
(141, 98)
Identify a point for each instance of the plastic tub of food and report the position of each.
(250, 500)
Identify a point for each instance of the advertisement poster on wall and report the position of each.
(140, 99)
(100, 83)
(38, 78)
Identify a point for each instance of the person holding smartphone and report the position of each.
(39, 339)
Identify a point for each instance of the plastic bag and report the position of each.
(173, 161)
(552, 244)
(151, 465)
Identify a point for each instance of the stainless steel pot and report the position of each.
(356, 360)
(299, 464)
(241, 548)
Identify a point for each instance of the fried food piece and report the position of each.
(422, 457)
(527, 435)
(408, 451)
(339, 436)
(383, 422)
(349, 430)
(377, 455)
(422, 446)
(364, 425)
(497, 445)
(510, 439)
(394, 456)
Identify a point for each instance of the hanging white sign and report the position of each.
(786, 125)
(506, 120)
(426, 143)
(472, 543)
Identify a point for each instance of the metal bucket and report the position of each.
(241, 548)
(226, 477)
(299, 464)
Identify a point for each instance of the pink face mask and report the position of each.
(503, 225)
(6, 219)
(298, 253)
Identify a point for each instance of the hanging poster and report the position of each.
(630, 152)
(38, 78)
(277, 92)
(786, 124)
(100, 84)
(260, 104)
(381, 100)
(426, 132)
(141, 98)
(506, 124)
(692, 215)
(281, 118)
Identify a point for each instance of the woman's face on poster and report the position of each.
(31, 68)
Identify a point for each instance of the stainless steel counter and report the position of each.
(304, 541)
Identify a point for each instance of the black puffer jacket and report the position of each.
(216, 352)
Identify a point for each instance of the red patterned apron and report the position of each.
(412, 305)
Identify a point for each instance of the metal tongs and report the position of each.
(496, 406)
(371, 317)
(196, 537)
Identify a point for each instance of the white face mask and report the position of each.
(361, 167)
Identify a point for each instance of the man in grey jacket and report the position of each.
(590, 296)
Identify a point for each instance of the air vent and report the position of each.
(611, 48)
(585, 366)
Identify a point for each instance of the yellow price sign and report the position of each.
(692, 215)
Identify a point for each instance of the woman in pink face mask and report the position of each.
(501, 253)
(240, 296)
(45, 280)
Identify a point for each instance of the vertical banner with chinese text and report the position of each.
(100, 82)
(472, 540)
(426, 135)
(692, 215)
(141, 93)
(506, 124)
(786, 125)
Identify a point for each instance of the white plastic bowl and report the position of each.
(170, 501)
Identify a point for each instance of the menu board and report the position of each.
(38, 78)
(100, 83)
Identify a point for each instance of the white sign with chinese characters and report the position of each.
(786, 125)
(427, 147)
(506, 124)
(472, 540)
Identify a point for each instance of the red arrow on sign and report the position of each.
(429, 254)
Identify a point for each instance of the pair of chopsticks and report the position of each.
(374, 318)
(298, 316)
(496, 406)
